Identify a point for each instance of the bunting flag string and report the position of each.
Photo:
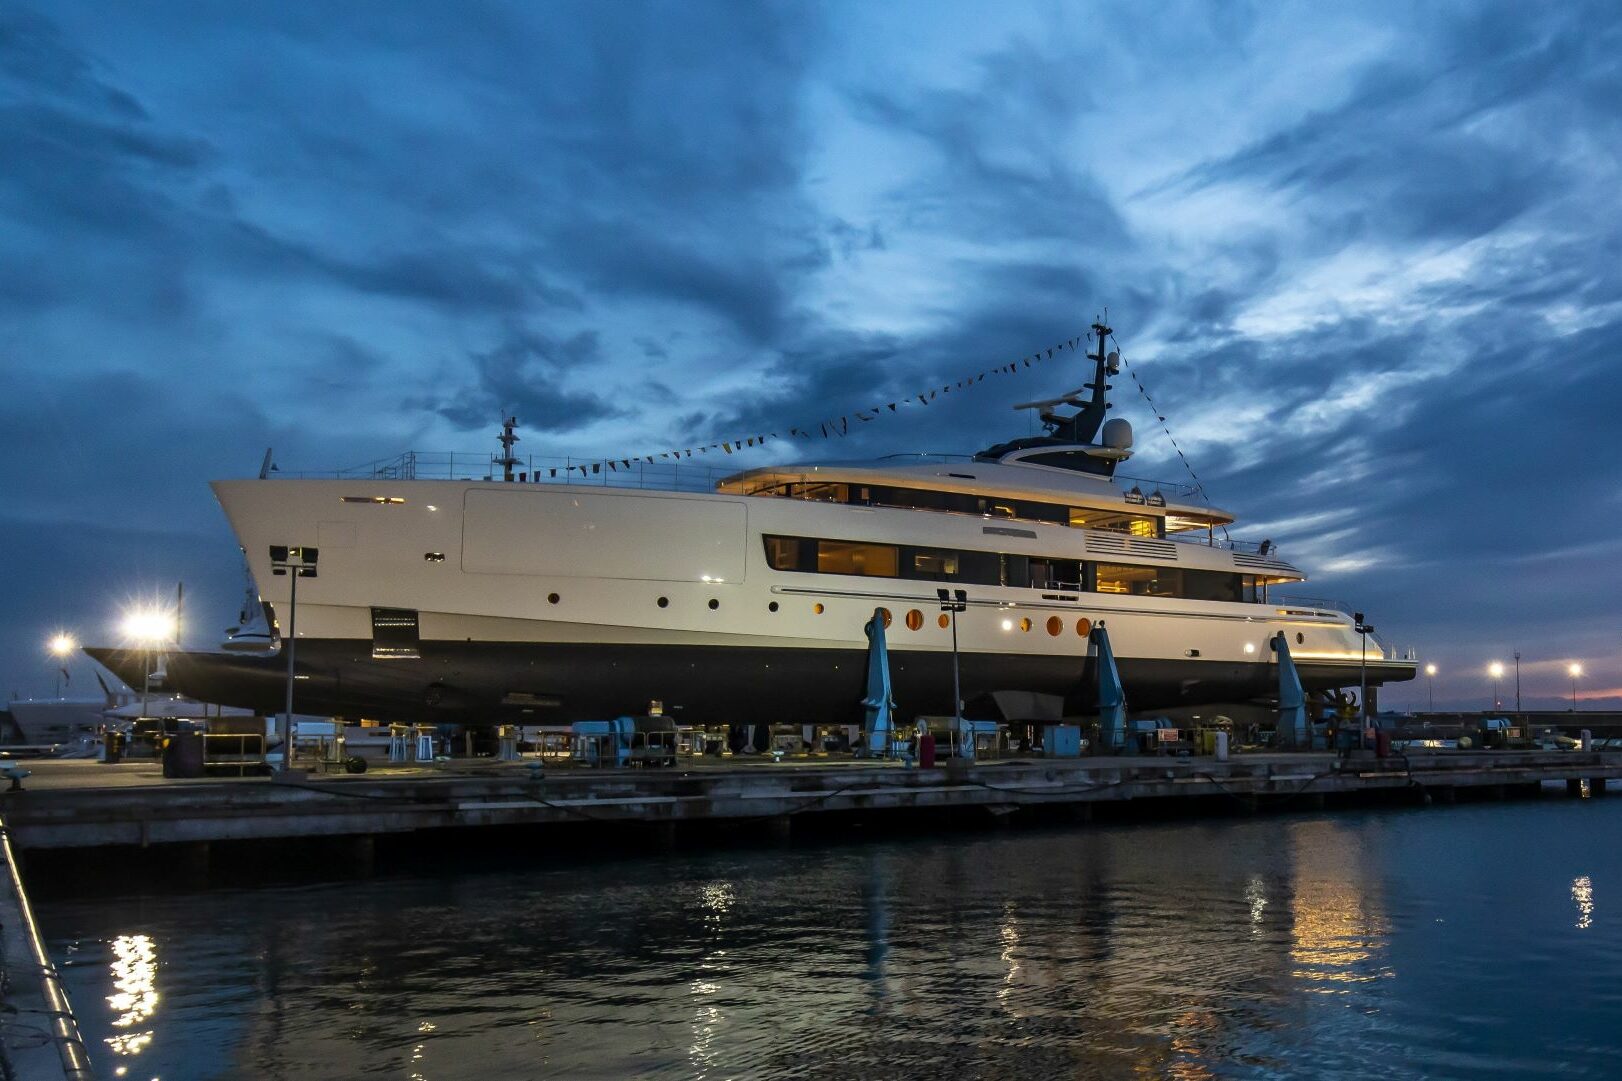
(1199, 485)
(839, 427)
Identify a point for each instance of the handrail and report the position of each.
(610, 472)
(65, 1027)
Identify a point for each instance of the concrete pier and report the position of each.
(73, 804)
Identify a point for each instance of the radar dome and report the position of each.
(1118, 433)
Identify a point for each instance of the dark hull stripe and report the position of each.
(468, 681)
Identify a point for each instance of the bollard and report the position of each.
(1222, 746)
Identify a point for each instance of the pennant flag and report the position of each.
(552, 472)
(727, 447)
(892, 407)
(596, 467)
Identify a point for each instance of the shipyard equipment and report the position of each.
(878, 724)
(1111, 693)
(1292, 726)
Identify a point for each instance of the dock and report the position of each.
(85, 804)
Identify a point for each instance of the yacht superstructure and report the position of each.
(743, 598)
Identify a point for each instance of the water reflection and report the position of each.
(1582, 895)
(1245, 948)
(135, 996)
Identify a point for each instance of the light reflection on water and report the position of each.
(1398, 944)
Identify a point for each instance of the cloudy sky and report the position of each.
(1368, 262)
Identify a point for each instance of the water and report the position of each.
(1476, 941)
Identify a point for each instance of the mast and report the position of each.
(1091, 418)
(507, 438)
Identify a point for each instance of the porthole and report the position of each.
(1300, 638)
(915, 620)
(552, 598)
(664, 602)
(1084, 626)
(885, 612)
(1055, 626)
(1025, 624)
(772, 607)
(714, 604)
(817, 608)
(945, 621)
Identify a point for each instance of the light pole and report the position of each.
(1363, 631)
(1430, 682)
(149, 627)
(299, 563)
(1517, 681)
(62, 645)
(1574, 670)
(1496, 671)
(954, 601)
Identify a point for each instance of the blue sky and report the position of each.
(1368, 259)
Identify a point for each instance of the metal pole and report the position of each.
(1363, 684)
(146, 677)
(292, 646)
(1574, 694)
(1517, 681)
(957, 687)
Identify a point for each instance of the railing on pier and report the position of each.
(36, 972)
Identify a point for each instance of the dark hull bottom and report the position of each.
(552, 683)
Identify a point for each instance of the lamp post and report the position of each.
(1430, 683)
(149, 627)
(1574, 670)
(953, 602)
(1363, 631)
(1496, 671)
(298, 563)
(62, 645)
(1517, 681)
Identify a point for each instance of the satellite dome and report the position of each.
(1118, 433)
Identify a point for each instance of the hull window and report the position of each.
(394, 634)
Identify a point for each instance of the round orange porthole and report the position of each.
(1025, 624)
(1084, 626)
(885, 612)
(1055, 626)
(817, 608)
(915, 620)
(945, 621)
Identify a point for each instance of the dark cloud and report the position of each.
(520, 376)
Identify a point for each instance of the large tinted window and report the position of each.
(1136, 580)
(852, 557)
(993, 568)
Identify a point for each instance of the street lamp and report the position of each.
(62, 645)
(954, 601)
(1430, 681)
(1574, 670)
(299, 563)
(149, 627)
(1517, 681)
(1496, 671)
(1363, 631)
